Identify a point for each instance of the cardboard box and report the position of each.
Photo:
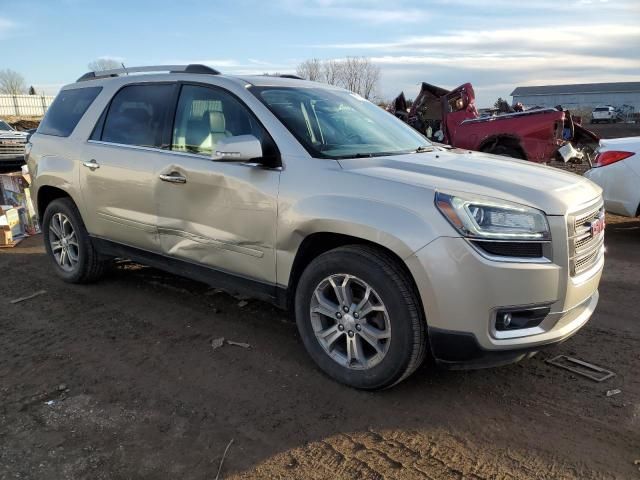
(9, 217)
(6, 237)
(14, 191)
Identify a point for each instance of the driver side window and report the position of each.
(205, 116)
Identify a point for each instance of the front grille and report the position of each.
(12, 147)
(585, 248)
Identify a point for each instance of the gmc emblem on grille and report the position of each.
(597, 226)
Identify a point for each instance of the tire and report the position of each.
(505, 151)
(88, 265)
(401, 322)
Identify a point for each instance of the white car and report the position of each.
(606, 114)
(617, 170)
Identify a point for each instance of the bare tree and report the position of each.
(12, 83)
(104, 63)
(370, 78)
(332, 72)
(358, 74)
(310, 70)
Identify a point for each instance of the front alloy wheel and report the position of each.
(350, 321)
(359, 316)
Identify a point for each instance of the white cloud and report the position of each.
(372, 11)
(6, 26)
(504, 56)
(542, 39)
(512, 62)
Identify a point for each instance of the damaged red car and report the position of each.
(538, 134)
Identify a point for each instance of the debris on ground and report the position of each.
(243, 303)
(224, 455)
(580, 367)
(615, 391)
(50, 402)
(217, 343)
(28, 297)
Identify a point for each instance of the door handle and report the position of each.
(173, 177)
(91, 164)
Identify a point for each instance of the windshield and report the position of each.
(4, 127)
(339, 124)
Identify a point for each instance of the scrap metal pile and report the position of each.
(538, 134)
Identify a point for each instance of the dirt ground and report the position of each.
(616, 130)
(118, 380)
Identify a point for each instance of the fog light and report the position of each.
(513, 319)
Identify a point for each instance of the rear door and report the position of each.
(121, 162)
(218, 214)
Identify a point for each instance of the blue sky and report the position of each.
(496, 45)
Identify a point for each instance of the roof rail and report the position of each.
(191, 68)
(288, 75)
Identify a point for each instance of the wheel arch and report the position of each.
(502, 139)
(47, 194)
(317, 243)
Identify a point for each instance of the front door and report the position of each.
(217, 214)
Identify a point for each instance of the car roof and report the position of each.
(197, 73)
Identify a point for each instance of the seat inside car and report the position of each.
(203, 133)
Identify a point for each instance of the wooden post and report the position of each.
(16, 106)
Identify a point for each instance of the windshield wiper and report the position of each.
(424, 148)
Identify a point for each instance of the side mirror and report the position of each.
(241, 148)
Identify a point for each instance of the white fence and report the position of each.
(24, 105)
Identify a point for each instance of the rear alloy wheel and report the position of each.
(68, 244)
(63, 242)
(359, 317)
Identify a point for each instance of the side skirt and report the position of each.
(268, 292)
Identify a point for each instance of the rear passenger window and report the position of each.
(137, 115)
(66, 111)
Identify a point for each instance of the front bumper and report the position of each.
(462, 291)
(462, 350)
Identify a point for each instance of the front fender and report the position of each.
(394, 227)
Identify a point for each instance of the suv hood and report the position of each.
(549, 189)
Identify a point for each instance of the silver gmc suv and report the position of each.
(385, 246)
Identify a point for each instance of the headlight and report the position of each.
(493, 219)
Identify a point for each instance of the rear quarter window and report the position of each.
(66, 111)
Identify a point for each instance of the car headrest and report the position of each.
(217, 122)
(137, 115)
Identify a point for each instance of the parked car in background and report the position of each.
(617, 170)
(12, 145)
(606, 114)
(306, 195)
(538, 135)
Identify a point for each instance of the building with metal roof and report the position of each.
(621, 95)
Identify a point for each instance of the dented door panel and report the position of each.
(129, 219)
(223, 216)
